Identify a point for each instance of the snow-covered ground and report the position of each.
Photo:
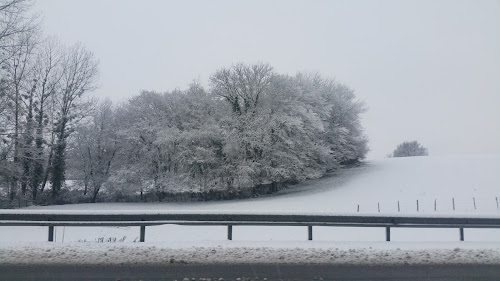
(469, 184)
(384, 181)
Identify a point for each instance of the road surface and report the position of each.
(249, 272)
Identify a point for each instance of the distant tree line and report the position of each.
(251, 131)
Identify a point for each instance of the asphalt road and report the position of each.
(249, 272)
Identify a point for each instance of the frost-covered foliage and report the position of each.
(409, 149)
(252, 131)
(94, 149)
(251, 128)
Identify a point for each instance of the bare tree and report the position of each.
(41, 90)
(242, 85)
(79, 76)
(95, 148)
(18, 38)
(47, 74)
(19, 93)
(14, 21)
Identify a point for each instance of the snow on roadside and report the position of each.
(374, 253)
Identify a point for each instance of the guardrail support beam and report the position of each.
(19, 218)
(143, 233)
(51, 233)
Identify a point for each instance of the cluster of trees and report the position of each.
(251, 130)
(409, 149)
(42, 88)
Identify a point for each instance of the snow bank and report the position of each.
(380, 253)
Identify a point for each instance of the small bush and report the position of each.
(409, 149)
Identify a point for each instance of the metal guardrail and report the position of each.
(9, 218)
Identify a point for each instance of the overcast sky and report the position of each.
(428, 70)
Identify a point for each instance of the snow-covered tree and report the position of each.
(94, 148)
(252, 129)
(409, 149)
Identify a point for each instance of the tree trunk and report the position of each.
(93, 198)
(58, 167)
(28, 150)
(59, 161)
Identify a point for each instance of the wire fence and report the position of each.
(428, 205)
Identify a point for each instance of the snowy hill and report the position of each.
(430, 180)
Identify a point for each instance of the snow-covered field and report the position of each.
(382, 181)
(449, 186)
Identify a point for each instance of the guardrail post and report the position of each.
(229, 232)
(387, 233)
(310, 232)
(51, 233)
(143, 233)
(461, 234)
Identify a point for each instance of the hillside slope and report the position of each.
(430, 180)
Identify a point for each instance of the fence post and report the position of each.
(387, 233)
(51, 233)
(461, 234)
(310, 232)
(229, 232)
(143, 233)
